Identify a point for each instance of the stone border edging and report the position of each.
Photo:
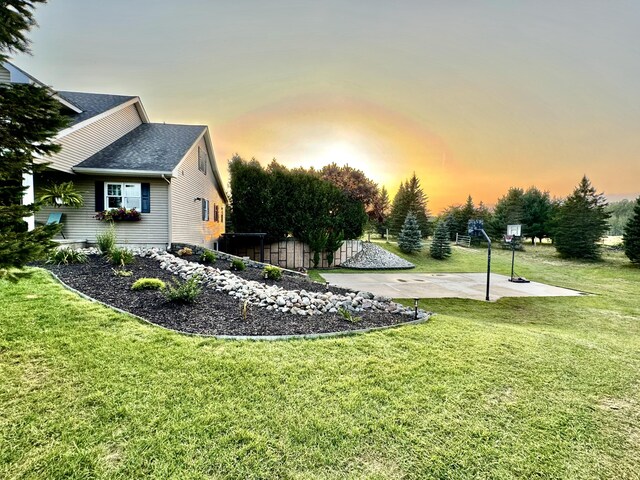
(270, 338)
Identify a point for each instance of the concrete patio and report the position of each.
(444, 285)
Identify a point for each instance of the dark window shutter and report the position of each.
(145, 189)
(204, 209)
(99, 196)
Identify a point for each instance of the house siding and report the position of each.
(5, 75)
(80, 224)
(188, 183)
(79, 145)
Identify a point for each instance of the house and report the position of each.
(117, 158)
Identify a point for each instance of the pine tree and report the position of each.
(581, 223)
(410, 238)
(441, 246)
(631, 235)
(410, 198)
(29, 119)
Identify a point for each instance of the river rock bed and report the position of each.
(374, 257)
(230, 304)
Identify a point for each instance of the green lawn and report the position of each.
(519, 388)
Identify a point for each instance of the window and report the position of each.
(203, 159)
(127, 195)
(205, 210)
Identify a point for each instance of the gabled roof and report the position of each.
(151, 147)
(92, 104)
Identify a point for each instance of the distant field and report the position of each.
(519, 388)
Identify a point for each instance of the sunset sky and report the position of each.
(474, 97)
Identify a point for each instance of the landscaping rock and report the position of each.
(375, 257)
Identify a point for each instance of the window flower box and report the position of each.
(119, 215)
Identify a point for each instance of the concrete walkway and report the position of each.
(443, 285)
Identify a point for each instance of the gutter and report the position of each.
(123, 172)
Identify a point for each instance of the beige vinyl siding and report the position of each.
(186, 214)
(79, 145)
(79, 224)
(5, 75)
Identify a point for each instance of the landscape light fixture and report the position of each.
(415, 308)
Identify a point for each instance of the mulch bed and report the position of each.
(213, 313)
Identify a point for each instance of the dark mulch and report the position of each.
(213, 313)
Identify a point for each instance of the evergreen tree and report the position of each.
(441, 246)
(381, 209)
(410, 238)
(536, 214)
(29, 119)
(581, 223)
(631, 235)
(410, 198)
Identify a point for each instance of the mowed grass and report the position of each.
(519, 388)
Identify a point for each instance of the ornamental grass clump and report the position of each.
(106, 241)
(183, 292)
(120, 256)
(66, 256)
(148, 284)
(272, 272)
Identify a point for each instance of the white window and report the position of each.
(205, 210)
(203, 159)
(127, 195)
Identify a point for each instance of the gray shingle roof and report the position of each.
(150, 147)
(92, 104)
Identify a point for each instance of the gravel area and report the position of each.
(373, 257)
(219, 309)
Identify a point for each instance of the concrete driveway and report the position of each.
(443, 285)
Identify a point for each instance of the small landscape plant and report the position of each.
(348, 316)
(237, 265)
(120, 256)
(184, 251)
(106, 241)
(208, 257)
(183, 292)
(148, 284)
(66, 256)
(272, 272)
(120, 272)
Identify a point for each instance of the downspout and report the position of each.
(169, 216)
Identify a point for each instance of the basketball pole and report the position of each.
(513, 255)
(488, 261)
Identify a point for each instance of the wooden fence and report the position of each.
(290, 253)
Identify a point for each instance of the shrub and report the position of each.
(272, 272)
(185, 292)
(106, 241)
(120, 256)
(184, 251)
(237, 265)
(348, 316)
(148, 284)
(208, 257)
(66, 256)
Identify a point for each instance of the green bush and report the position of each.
(183, 292)
(208, 257)
(237, 265)
(120, 256)
(148, 284)
(272, 272)
(106, 241)
(66, 256)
